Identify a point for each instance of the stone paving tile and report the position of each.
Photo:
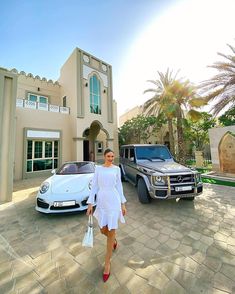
(23, 280)
(7, 287)
(223, 283)
(173, 287)
(32, 288)
(57, 286)
(165, 247)
(170, 269)
(158, 280)
(135, 283)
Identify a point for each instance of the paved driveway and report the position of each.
(165, 247)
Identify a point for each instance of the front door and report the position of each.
(86, 150)
(227, 153)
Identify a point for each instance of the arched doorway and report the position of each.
(95, 141)
(227, 153)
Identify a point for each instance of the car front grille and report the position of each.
(41, 203)
(84, 202)
(161, 193)
(181, 179)
(64, 207)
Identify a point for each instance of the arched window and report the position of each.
(95, 101)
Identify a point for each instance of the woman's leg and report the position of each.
(104, 231)
(109, 250)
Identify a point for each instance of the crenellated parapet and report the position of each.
(36, 77)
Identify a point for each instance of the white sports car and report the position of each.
(67, 190)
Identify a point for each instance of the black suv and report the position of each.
(152, 168)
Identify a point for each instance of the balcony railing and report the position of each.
(24, 103)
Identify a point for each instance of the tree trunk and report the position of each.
(171, 136)
(181, 147)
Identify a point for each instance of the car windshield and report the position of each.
(153, 152)
(76, 168)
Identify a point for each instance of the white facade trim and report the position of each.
(87, 70)
(42, 134)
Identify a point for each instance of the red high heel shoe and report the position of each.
(106, 276)
(115, 244)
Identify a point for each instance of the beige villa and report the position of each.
(73, 118)
(162, 137)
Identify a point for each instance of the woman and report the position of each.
(110, 207)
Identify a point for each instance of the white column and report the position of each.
(8, 83)
(79, 149)
(110, 144)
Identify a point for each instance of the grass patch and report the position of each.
(203, 170)
(218, 182)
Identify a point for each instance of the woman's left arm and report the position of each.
(119, 187)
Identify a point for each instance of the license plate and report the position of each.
(184, 188)
(64, 203)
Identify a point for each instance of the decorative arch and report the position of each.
(95, 139)
(227, 153)
(95, 123)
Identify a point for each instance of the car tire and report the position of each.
(143, 193)
(189, 198)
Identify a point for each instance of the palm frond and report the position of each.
(197, 102)
(194, 115)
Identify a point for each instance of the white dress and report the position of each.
(107, 186)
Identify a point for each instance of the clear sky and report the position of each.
(137, 37)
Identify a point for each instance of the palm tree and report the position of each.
(183, 97)
(160, 102)
(221, 87)
(172, 97)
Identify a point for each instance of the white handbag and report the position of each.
(88, 237)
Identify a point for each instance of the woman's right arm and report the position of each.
(93, 192)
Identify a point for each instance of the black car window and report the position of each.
(126, 153)
(76, 168)
(132, 153)
(153, 152)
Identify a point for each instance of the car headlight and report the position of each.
(159, 180)
(44, 187)
(89, 185)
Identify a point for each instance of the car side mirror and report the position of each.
(53, 171)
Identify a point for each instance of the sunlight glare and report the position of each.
(186, 37)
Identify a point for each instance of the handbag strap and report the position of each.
(90, 221)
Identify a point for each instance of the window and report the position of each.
(37, 149)
(100, 147)
(126, 153)
(132, 153)
(42, 155)
(153, 152)
(37, 98)
(95, 100)
(76, 168)
(64, 101)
